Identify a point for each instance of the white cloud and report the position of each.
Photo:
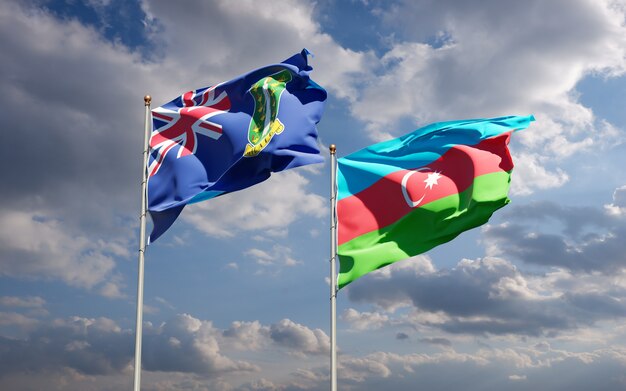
(618, 206)
(15, 319)
(278, 256)
(299, 338)
(335, 67)
(247, 335)
(364, 320)
(358, 369)
(44, 250)
(164, 303)
(188, 344)
(232, 266)
(23, 302)
(536, 368)
(530, 174)
(273, 204)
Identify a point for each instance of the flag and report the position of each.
(224, 138)
(402, 197)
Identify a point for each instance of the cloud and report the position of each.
(286, 28)
(453, 76)
(541, 366)
(402, 336)
(184, 353)
(530, 174)
(100, 347)
(261, 385)
(364, 320)
(299, 338)
(279, 256)
(60, 160)
(303, 379)
(618, 206)
(273, 204)
(66, 213)
(491, 297)
(247, 335)
(488, 370)
(15, 319)
(112, 291)
(580, 239)
(86, 348)
(68, 379)
(296, 338)
(89, 346)
(437, 341)
(187, 344)
(22, 302)
(44, 250)
(24, 315)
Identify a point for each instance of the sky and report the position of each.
(237, 291)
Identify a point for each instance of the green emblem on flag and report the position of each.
(264, 123)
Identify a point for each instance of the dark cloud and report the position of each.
(487, 371)
(580, 239)
(437, 341)
(489, 296)
(72, 131)
(187, 344)
(402, 336)
(299, 337)
(100, 347)
(89, 346)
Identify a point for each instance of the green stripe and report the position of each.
(424, 228)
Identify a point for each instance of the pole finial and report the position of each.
(147, 99)
(332, 148)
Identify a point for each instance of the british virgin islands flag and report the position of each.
(224, 138)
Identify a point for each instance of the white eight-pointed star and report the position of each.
(432, 179)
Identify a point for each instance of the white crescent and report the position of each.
(405, 193)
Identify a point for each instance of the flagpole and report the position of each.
(142, 245)
(333, 272)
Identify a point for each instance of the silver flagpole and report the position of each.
(142, 245)
(333, 271)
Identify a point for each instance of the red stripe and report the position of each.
(161, 116)
(211, 126)
(223, 104)
(189, 145)
(172, 133)
(205, 96)
(161, 156)
(188, 99)
(383, 203)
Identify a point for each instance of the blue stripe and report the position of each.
(416, 149)
(205, 195)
